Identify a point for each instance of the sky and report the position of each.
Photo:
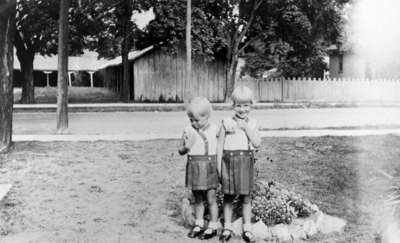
(142, 19)
(374, 29)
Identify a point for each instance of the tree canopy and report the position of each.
(289, 35)
(300, 33)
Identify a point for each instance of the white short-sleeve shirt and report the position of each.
(198, 148)
(235, 137)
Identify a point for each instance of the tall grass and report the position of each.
(48, 95)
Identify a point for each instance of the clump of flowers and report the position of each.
(273, 204)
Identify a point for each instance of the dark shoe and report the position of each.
(248, 237)
(225, 235)
(195, 232)
(208, 234)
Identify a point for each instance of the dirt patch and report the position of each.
(131, 191)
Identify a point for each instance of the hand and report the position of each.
(183, 150)
(188, 140)
(242, 124)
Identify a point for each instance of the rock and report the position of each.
(237, 227)
(261, 231)
(391, 234)
(310, 227)
(317, 217)
(330, 224)
(314, 208)
(4, 188)
(187, 213)
(297, 232)
(281, 232)
(298, 221)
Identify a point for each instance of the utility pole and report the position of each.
(188, 81)
(62, 80)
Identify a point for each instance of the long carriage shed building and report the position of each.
(45, 69)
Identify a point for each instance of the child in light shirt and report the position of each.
(238, 137)
(199, 142)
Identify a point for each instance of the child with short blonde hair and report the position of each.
(238, 137)
(199, 142)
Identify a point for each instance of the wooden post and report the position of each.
(91, 79)
(7, 29)
(70, 79)
(47, 78)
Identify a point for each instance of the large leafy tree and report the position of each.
(37, 32)
(285, 33)
(299, 34)
(118, 34)
(7, 28)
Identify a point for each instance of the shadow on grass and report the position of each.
(339, 174)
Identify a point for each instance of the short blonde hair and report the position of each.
(200, 106)
(242, 94)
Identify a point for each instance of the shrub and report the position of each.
(273, 204)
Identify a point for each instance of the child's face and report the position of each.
(242, 109)
(198, 121)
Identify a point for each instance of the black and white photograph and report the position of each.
(184, 121)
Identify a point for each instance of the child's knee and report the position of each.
(211, 197)
(245, 199)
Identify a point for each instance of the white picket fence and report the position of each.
(320, 90)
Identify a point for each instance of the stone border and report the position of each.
(4, 188)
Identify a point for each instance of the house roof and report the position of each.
(131, 56)
(86, 62)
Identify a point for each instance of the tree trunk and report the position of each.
(126, 46)
(62, 79)
(125, 96)
(231, 77)
(7, 28)
(28, 87)
(25, 57)
(188, 87)
(232, 57)
(234, 41)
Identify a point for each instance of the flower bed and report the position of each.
(273, 204)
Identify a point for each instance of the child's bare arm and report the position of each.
(252, 134)
(186, 143)
(220, 148)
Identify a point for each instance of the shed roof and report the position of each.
(86, 62)
(131, 56)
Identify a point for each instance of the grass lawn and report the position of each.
(131, 191)
(48, 95)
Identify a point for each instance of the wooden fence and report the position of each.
(332, 90)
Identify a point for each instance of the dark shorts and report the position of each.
(237, 172)
(201, 172)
